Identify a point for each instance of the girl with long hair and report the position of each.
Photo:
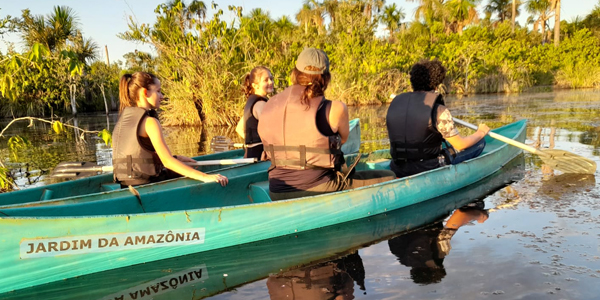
(140, 154)
(258, 84)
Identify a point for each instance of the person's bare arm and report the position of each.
(460, 143)
(151, 128)
(445, 125)
(241, 128)
(339, 119)
(258, 108)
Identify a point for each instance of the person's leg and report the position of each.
(469, 153)
(323, 188)
(370, 177)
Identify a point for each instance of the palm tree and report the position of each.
(373, 6)
(502, 8)
(462, 13)
(542, 9)
(514, 13)
(52, 30)
(86, 49)
(311, 13)
(284, 24)
(304, 16)
(556, 6)
(430, 10)
(392, 18)
(196, 8)
(331, 7)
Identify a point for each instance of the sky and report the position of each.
(103, 20)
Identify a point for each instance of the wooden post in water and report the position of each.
(106, 52)
(113, 104)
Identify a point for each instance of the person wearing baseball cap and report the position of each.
(302, 133)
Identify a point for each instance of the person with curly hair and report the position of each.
(418, 123)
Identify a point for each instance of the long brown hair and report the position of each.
(130, 85)
(253, 77)
(315, 84)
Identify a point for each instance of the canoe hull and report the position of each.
(116, 241)
(249, 262)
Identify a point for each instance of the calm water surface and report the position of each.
(535, 234)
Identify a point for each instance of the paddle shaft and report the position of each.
(75, 169)
(501, 138)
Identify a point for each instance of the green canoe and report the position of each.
(82, 235)
(200, 275)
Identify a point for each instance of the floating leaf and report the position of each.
(106, 137)
(58, 127)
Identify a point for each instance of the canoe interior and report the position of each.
(247, 185)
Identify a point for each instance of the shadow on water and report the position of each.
(321, 262)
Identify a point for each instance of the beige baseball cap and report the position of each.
(312, 61)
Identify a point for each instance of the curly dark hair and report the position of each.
(427, 75)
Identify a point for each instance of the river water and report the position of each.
(528, 232)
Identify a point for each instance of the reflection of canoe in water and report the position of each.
(104, 183)
(200, 275)
(96, 233)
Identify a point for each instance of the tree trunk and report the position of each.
(514, 14)
(543, 31)
(557, 23)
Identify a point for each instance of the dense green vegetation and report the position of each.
(482, 55)
(202, 60)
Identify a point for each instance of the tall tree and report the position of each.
(304, 16)
(502, 9)
(462, 13)
(331, 8)
(541, 11)
(52, 30)
(430, 11)
(392, 18)
(556, 5)
(513, 15)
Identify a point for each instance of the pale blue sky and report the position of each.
(102, 20)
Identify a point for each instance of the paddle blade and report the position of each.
(220, 144)
(567, 162)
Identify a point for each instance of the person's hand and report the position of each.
(483, 129)
(217, 178)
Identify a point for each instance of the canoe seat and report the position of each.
(46, 195)
(259, 192)
(110, 187)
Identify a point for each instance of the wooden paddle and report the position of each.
(73, 169)
(561, 160)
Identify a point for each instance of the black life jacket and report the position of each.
(132, 163)
(410, 122)
(251, 123)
